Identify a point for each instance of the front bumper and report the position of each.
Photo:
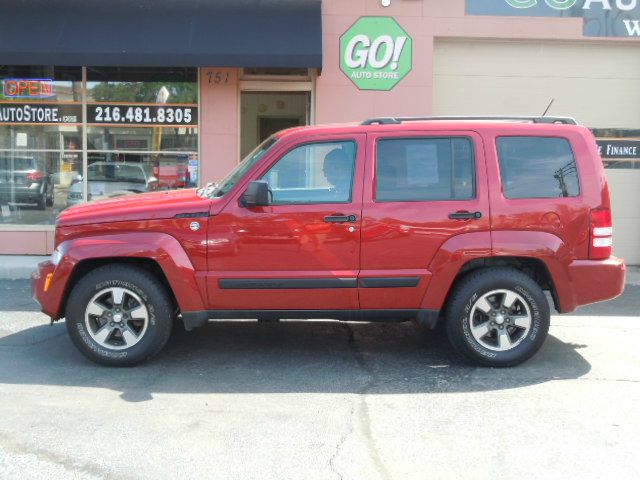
(45, 290)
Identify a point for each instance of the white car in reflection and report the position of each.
(113, 179)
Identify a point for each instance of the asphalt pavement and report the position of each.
(321, 400)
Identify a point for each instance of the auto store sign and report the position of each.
(39, 113)
(602, 18)
(375, 53)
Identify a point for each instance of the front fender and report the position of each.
(164, 249)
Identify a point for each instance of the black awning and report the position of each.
(156, 33)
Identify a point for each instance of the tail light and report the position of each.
(34, 175)
(601, 234)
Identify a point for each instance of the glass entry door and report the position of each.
(265, 113)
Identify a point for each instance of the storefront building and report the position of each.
(101, 99)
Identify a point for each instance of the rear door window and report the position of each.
(424, 169)
(537, 167)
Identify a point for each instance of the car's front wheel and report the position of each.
(119, 315)
(497, 317)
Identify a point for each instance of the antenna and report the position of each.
(549, 106)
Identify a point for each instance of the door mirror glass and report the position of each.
(257, 194)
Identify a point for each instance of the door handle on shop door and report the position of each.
(465, 215)
(340, 218)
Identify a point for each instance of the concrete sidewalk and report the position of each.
(13, 267)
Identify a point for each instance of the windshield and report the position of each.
(108, 172)
(243, 167)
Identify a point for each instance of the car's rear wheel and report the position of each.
(119, 315)
(497, 317)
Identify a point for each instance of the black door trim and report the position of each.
(315, 283)
(285, 283)
(388, 282)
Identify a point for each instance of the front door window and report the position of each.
(314, 173)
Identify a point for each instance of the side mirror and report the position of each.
(257, 194)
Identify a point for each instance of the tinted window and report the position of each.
(419, 169)
(314, 173)
(537, 167)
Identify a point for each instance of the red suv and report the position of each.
(461, 221)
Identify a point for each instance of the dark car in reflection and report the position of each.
(24, 179)
(113, 179)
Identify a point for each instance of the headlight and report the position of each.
(56, 256)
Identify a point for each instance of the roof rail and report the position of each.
(397, 120)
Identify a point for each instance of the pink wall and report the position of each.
(412, 96)
(219, 122)
(26, 242)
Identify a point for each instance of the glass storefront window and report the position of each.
(34, 185)
(147, 139)
(40, 141)
(141, 130)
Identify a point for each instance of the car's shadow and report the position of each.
(285, 357)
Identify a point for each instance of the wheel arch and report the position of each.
(533, 267)
(83, 267)
(158, 253)
(542, 255)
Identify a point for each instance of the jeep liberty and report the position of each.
(464, 222)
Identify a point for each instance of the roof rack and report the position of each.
(398, 120)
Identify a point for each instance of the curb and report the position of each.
(19, 267)
(633, 276)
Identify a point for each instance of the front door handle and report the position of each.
(340, 218)
(465, 215)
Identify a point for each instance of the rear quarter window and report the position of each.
(537, 167)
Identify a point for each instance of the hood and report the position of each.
(143, 206)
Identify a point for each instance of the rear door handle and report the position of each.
(340, 218)
(465, 215)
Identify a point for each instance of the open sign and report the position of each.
(27, 87)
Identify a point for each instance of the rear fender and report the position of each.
(164, 249)
(548, 248)
(448, 261)
(457, 251)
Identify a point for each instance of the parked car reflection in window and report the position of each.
(108, 179)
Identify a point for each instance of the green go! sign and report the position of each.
(375, 53)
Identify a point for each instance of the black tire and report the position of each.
(41, 204)
(138, 281)
(470, 290)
